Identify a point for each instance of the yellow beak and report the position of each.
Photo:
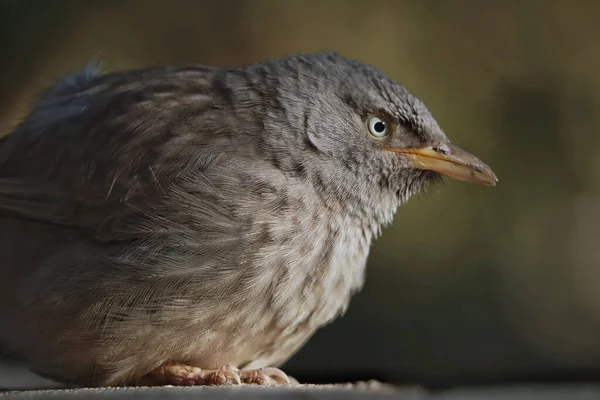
(449, 160)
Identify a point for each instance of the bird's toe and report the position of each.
(184, 375)
(265, 376)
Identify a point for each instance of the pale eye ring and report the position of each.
(378, 127)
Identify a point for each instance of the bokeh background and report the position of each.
(470, 284)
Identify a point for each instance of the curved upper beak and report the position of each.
(450, 160)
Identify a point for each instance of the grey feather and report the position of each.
(195, 214)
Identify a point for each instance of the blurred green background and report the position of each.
(470, 284)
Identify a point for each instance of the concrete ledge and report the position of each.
(360, 391)
(366, 390)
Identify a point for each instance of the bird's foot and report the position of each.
(184, 375)
(265, 376)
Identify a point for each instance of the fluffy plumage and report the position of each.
(202, 215)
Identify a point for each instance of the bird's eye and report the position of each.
(378, 127)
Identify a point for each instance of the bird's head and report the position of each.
(361, 134)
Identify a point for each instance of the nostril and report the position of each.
(442, 148)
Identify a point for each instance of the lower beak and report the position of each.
(449, 160)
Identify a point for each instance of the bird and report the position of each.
(196, 225)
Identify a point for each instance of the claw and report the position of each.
(264, 376)
(277, 375)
